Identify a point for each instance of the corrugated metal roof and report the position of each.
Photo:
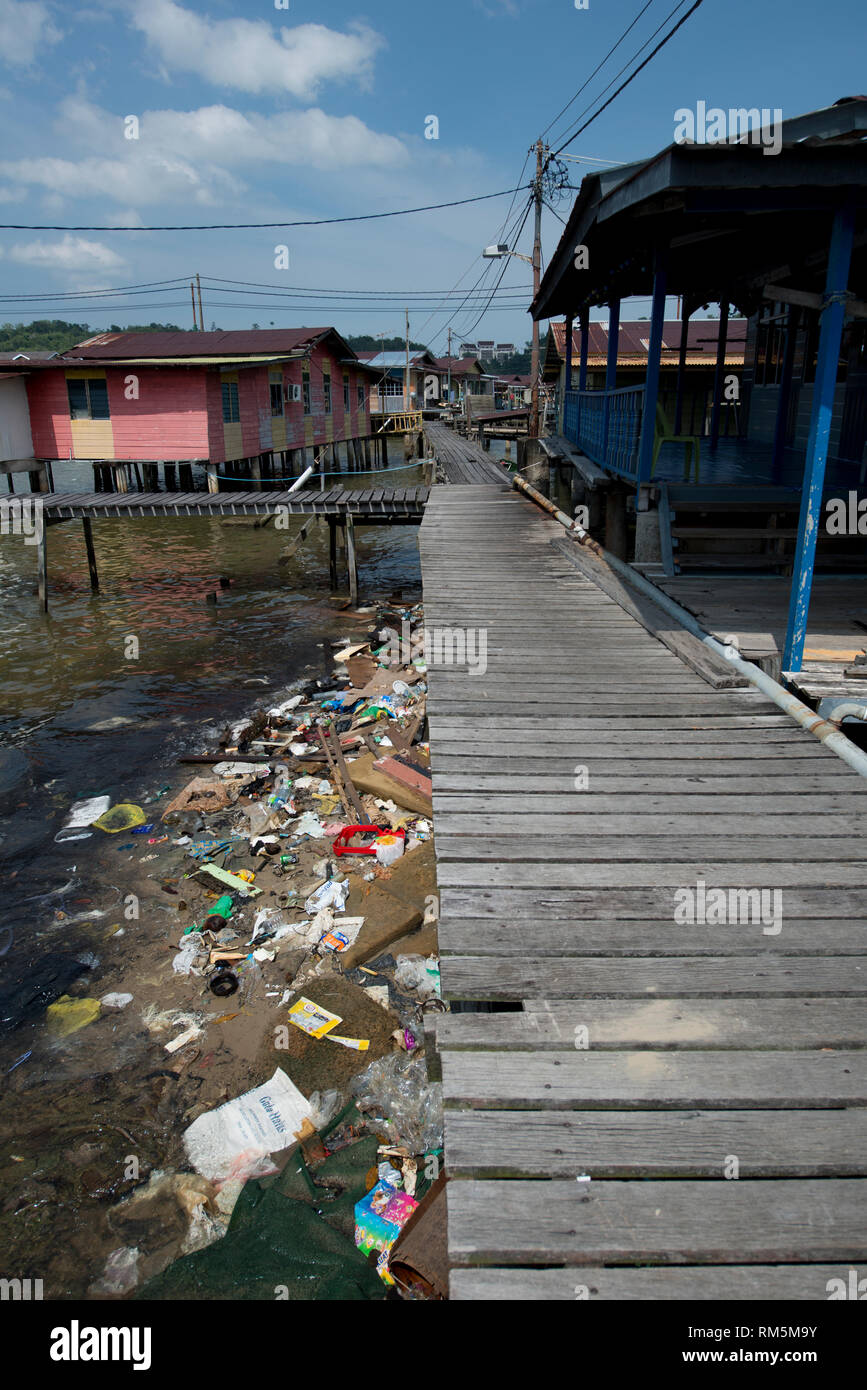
(232, 342)
(632, 340)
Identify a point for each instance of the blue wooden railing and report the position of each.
(606, 426)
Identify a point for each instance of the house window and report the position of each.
(276, 398)
(231, 409)
(770, 345)
(392, 386)
(305, 390)
(326, 388)
(360, 394)
(88, 398)
(346, 405)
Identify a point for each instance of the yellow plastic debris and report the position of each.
(121, 817)
(66, 1015)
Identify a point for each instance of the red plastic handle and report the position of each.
(341, 847)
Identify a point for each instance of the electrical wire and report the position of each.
(598, 67)
(254, 226)
(652, 54)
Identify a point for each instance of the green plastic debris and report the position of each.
(290, 1238)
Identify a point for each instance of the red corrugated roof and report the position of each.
(634, 333)
(189, 344)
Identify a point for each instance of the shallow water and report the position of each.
(105, 690)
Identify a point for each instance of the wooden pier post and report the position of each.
(213, 480)
(616, 532)
(169, 474)
(120, 478)
(91, 554)
(332, 551)
(256, 472)
(42, 565)
(351, 560)
(185, 475)
(151, 477)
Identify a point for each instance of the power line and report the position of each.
(598, 67)
(402, 294)
(468, 331)
(652, 54)
(253, 226)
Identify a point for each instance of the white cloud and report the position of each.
(254, 56)
(310, 138)
(142, 178)
(188, 156)
(71, 253)
(25, 27)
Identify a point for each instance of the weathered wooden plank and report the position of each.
(691, 977)
(449, 766)
(657, 1144)
(828, 779)
(797, 1023)
(598, 904)
(626, 847)
(744, 1283)
(689, 1222)
(584, 1079)
(732, 874)
(766, 929)
(574, 821)
(553, 810)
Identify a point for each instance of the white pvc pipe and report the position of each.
(298, 481)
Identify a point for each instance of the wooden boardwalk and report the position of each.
(673, 1107)
(401, 503)
(461, 460)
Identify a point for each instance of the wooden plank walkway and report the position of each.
(461, 460)
(365, 503)
(674, 1106)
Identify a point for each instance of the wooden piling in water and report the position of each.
(91, 554)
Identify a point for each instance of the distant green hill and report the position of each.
(56, 335)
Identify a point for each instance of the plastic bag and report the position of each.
(398, 1087)
(324, 1105)
(419, 975)
(331, 894)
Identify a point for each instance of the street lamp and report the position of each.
(498, 252)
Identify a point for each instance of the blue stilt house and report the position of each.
(782, 239)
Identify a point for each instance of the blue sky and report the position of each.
(251, 112)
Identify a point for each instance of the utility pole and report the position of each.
(201, 315)
(537, 280)
(449, 392)
(406, 379)
(193, 298)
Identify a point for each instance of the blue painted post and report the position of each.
(584, 322)
(830, 334)
(610, 369)
(651, 389)
(719, 372)
(567, 386)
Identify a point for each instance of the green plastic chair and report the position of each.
(665, 435)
